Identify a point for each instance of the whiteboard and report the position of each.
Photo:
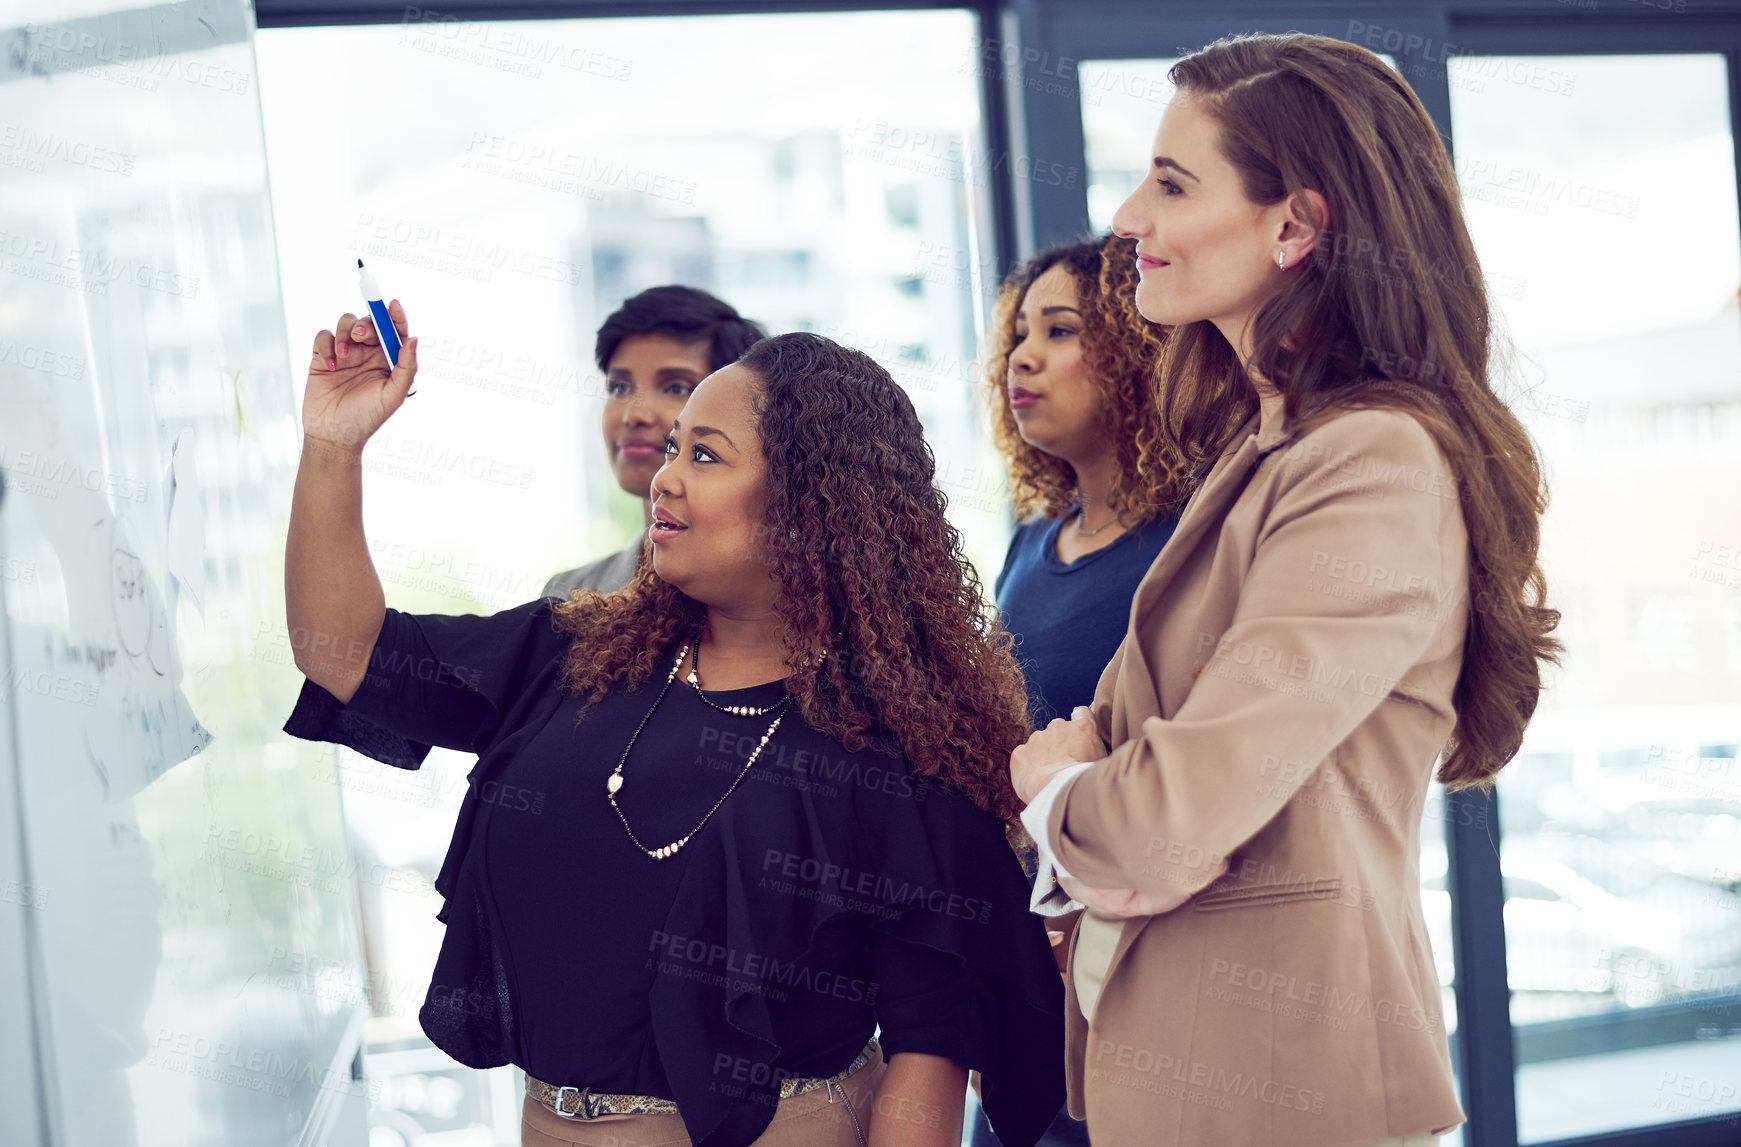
(180, 961)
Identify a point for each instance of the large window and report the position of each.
(512, 183)
(1607, 227)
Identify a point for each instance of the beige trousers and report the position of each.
(814, 1119)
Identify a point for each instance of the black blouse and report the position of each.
(833, 892)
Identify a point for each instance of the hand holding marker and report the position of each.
(353, 387)
(383, 322)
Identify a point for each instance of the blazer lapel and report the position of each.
(1136, 677)
(1202, 516)
(1204, 512)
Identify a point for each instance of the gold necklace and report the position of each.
(1081, 512)
(614, 783)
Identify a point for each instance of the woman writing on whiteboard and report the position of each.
(1353, 588)
(729, 820)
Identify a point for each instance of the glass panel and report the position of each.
(186, 869)
(1436, 907)
(1122, 102)
(554, 168)
(1607, 228)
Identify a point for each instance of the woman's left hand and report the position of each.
(1050, 750)
(1047, 753)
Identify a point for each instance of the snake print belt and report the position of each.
(572, 1102)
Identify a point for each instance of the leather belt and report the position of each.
(572, 1102)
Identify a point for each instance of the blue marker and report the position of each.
(383, 322)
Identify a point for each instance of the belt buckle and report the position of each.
(583, 1097)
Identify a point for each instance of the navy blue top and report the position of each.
(1069, 617)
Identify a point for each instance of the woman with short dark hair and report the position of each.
(653, 350)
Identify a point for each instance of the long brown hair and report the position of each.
(1122, 351)
(869, 570)
(1391, 312)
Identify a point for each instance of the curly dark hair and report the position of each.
(868, 569)
(1122, 351)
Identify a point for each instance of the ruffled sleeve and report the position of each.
(966, 972)
(434, 679)
(465, 682)
(913, 877)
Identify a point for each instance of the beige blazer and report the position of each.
(1278, 704)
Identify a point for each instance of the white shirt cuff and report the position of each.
(1048, 898)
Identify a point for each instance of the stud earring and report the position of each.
(1281, 261)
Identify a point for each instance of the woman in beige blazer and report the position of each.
(1352, 591)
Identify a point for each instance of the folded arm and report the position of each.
(1301, 666)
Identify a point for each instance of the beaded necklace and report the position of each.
(614, 783)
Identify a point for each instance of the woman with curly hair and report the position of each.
(1071, 369)
(682, 898)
